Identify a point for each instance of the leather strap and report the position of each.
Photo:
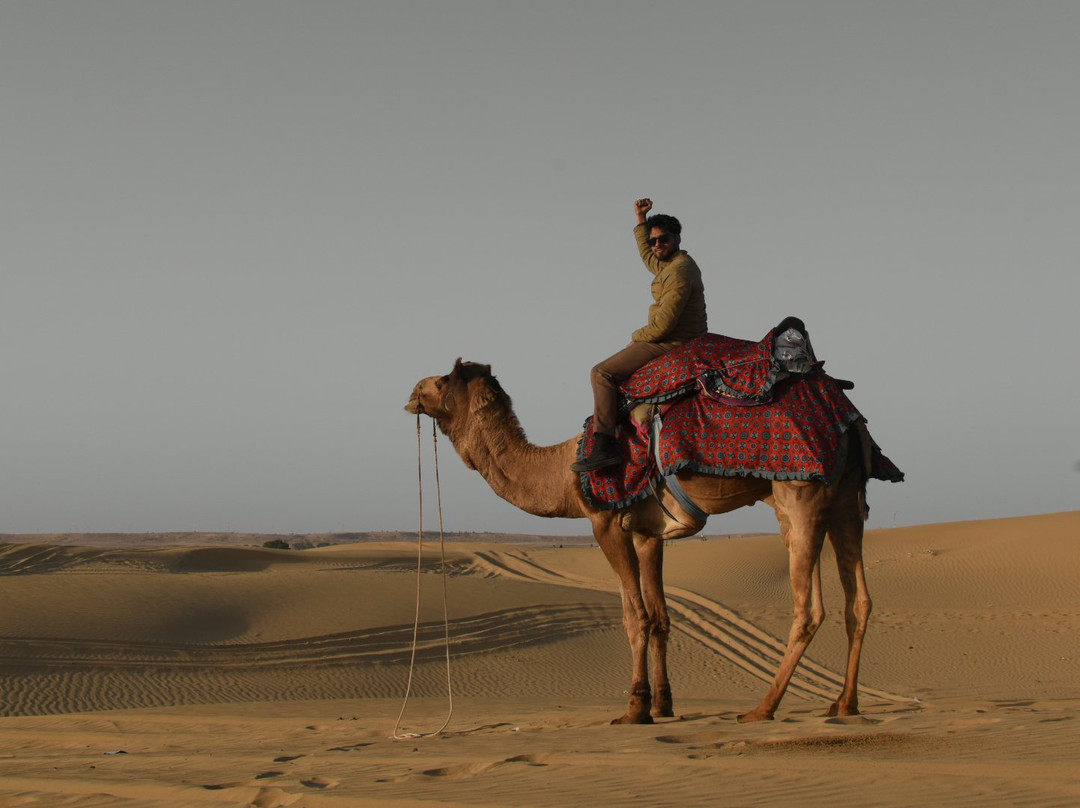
(670, 480)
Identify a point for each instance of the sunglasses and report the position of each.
(664, 239)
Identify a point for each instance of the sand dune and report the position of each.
(228, 675)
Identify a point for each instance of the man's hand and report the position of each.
(641, 208)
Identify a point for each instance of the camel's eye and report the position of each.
(441, 382)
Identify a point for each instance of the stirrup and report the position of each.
(602, 456)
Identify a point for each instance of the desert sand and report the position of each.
(149, 673)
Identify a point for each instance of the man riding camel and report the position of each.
(676, 315)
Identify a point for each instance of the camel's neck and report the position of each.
(536, 479)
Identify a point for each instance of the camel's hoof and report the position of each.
(836, 710)
(755, 715)
(631, 719)
(663, 706)
(637, 708)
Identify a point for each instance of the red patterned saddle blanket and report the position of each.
(732, 408)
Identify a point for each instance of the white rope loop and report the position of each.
(397, 735)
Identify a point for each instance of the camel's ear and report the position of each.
(467, 371)
(483, 396)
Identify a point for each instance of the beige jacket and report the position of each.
(678, 310)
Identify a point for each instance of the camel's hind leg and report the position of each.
(618, 547)
(801, 510)
(846, 535)
(650, 553)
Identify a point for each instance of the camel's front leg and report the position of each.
(618, 547)
(650, 553)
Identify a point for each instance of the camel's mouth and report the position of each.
(414, 406)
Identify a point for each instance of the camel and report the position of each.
(475, 413)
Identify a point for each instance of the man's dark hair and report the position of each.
(661, 221)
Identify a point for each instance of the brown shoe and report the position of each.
(605, 453)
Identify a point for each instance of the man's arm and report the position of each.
(642, 208)
(651, 262)
(641, 234)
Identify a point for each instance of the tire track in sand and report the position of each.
(492, 631)
(706, 621)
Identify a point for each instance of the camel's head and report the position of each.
(442, 396)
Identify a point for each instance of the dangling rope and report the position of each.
(419, 568)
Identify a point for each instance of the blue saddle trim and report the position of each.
(670, 480)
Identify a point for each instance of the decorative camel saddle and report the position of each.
(732, 408)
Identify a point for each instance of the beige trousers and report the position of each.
(606, 376)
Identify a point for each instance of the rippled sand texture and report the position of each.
(244, 676)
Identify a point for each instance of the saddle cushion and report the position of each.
(734, 368)
(796, 436)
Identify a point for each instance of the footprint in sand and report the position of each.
(318, 782)
(697, 739)
(275, 798)
(464, 771)
(243, 783)
(460, 772)
(851, 720)
(352, 748)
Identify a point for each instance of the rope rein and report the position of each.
(397, 735)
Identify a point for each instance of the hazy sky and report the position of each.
(235, 234)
